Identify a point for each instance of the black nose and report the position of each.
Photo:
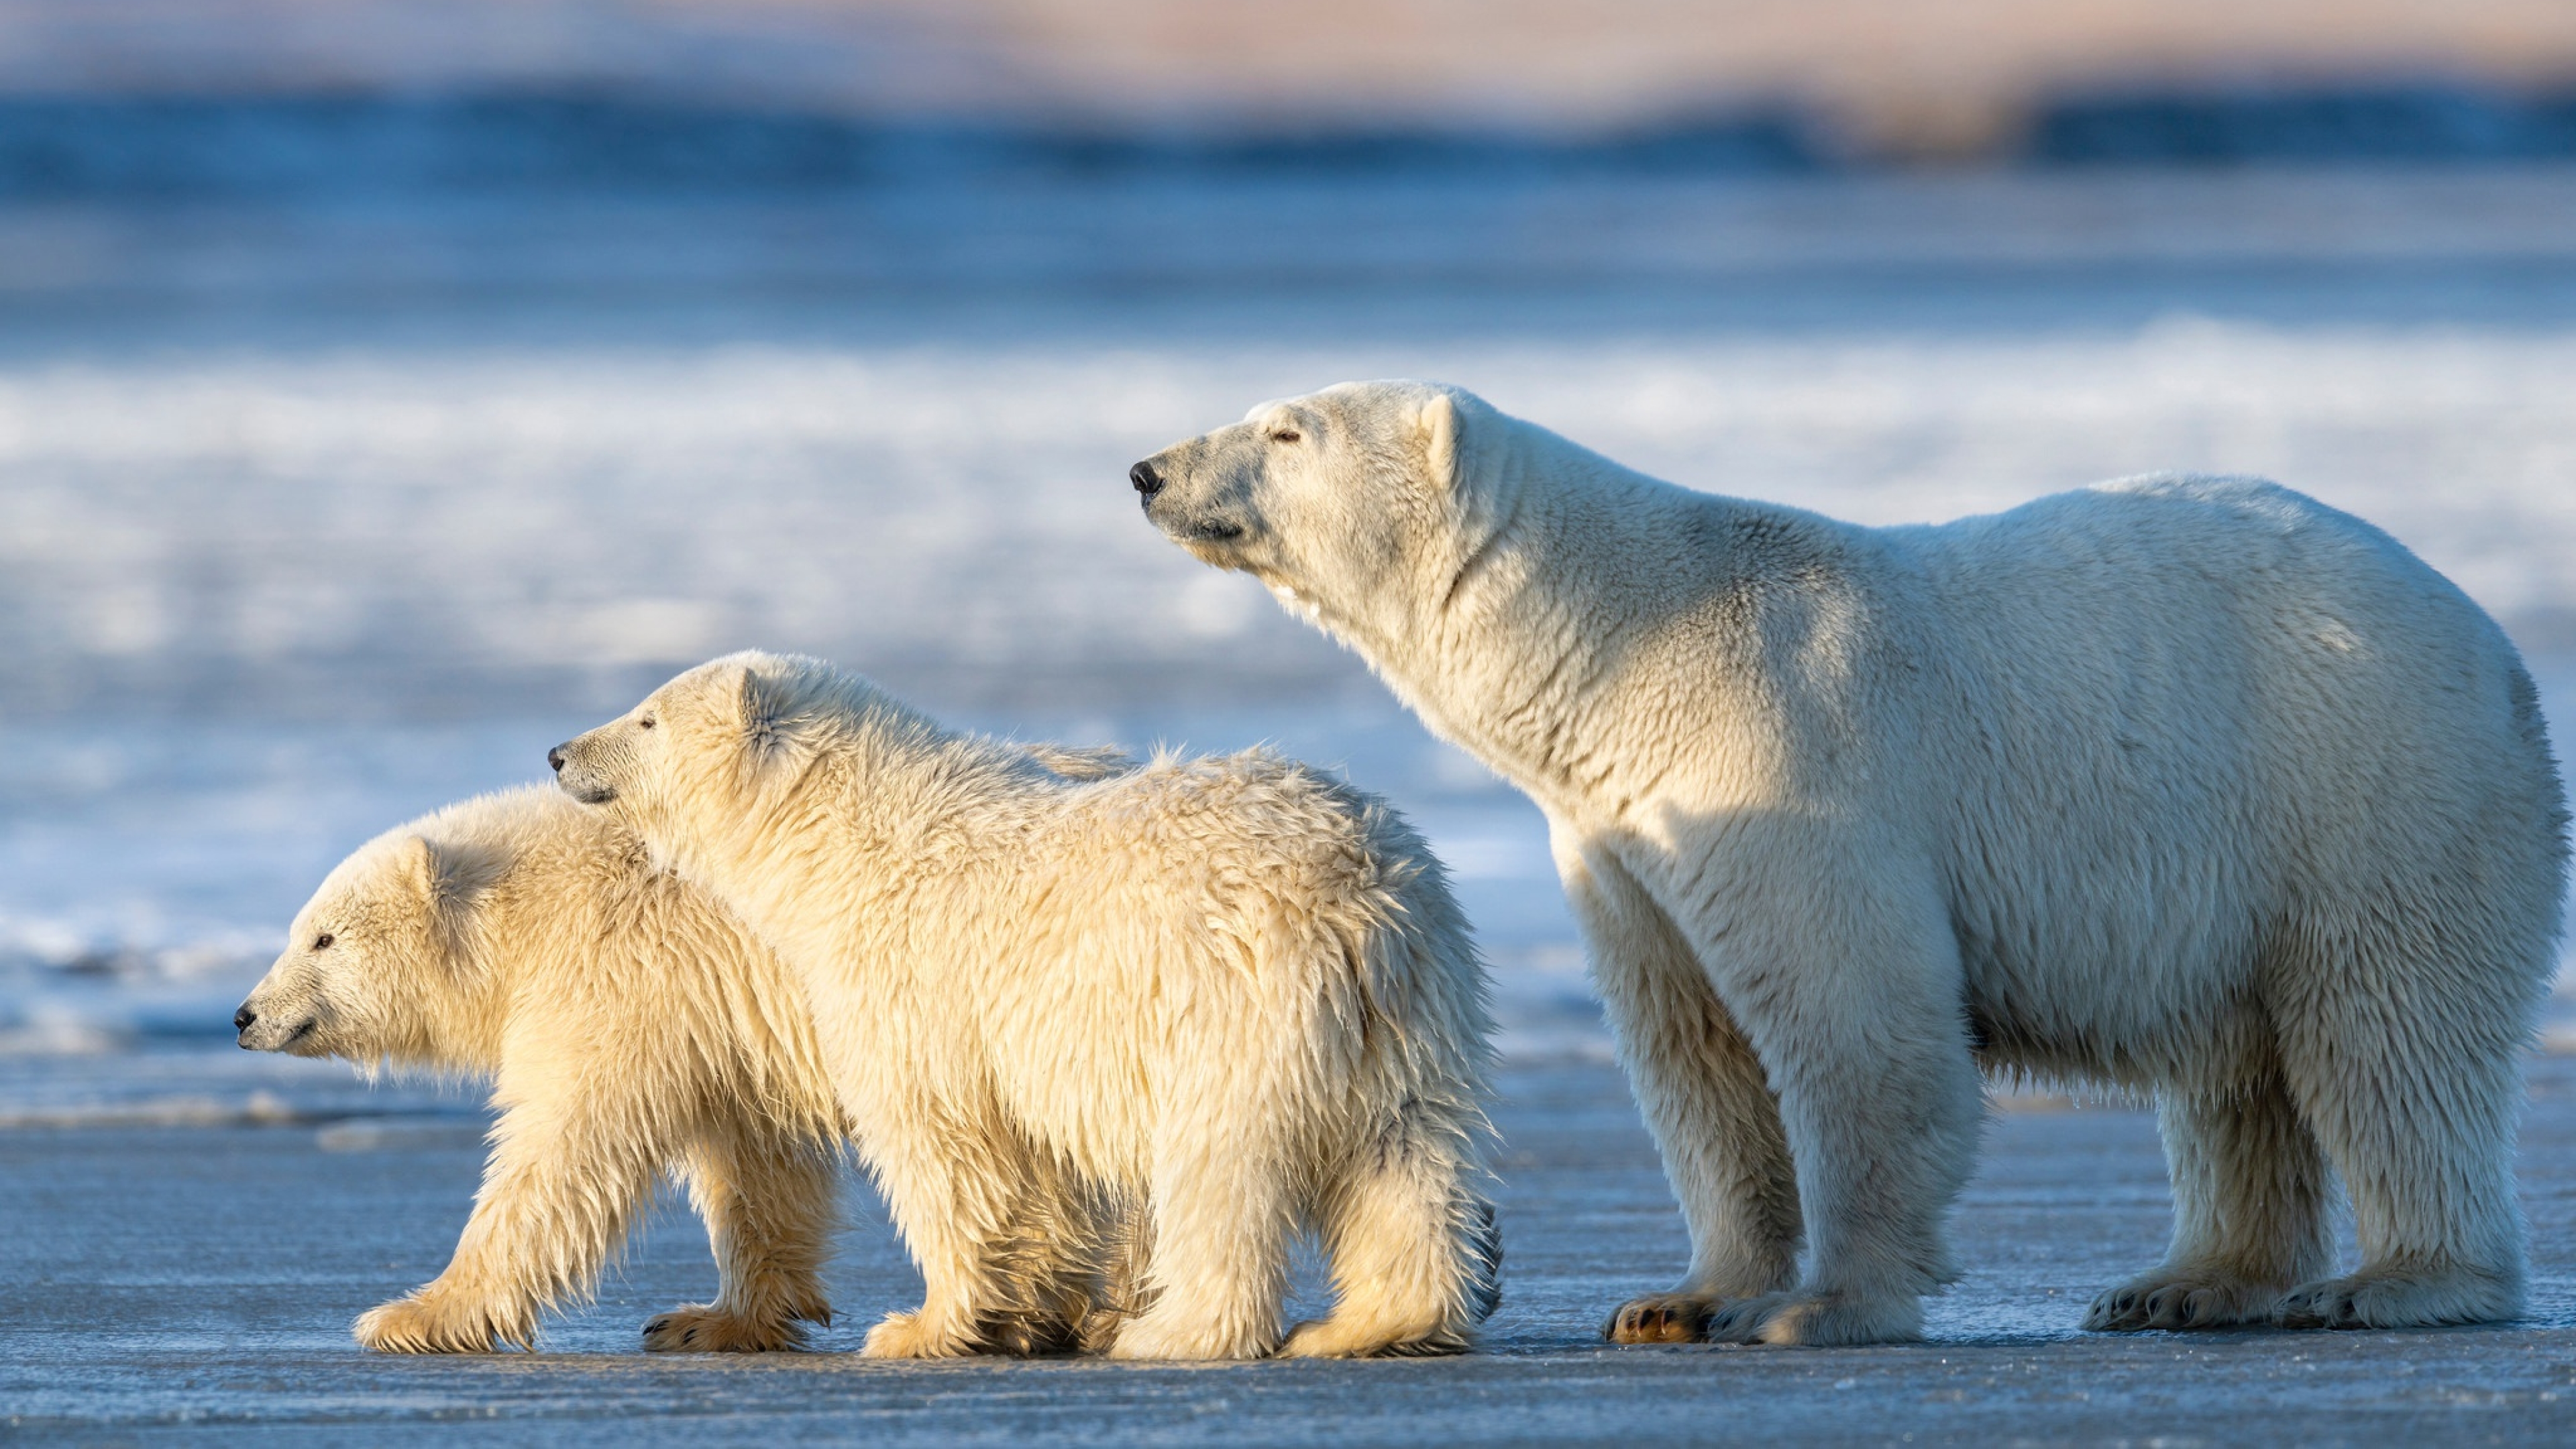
(1147, 481)
(554, 757)
(243, 1018)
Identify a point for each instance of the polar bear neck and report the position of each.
(1513, 647)
(884, 801)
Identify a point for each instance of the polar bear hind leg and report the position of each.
(2402, 1046)
(770, 1206)
(1416, 1258)
(2250, 1191)
(1222, 1217)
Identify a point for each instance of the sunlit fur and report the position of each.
(629, 1027)
(2187, 785)
(1205, 1005)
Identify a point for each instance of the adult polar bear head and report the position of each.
(1355, 504)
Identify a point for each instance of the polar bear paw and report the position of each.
(906, 1335)
(2400, 1300)
(1661, 1318)
(418, 1323)
(2181, 1299)
(1831, 1319)
(1171, 1340)
(1342, 1338)
(704, 1328)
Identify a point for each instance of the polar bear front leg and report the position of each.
(953, 1204)
(1845, 976)
(558, 1192)
(1703, 1096)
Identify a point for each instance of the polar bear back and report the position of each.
(2164, 726)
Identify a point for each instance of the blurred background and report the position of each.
(389, 388)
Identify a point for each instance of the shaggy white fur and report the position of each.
(1194, 1009)
(2182, 784)
(630, 1027)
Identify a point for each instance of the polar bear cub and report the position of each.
(629, 1026)
(2190, 785)
(1227, 1000)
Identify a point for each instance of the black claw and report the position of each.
(657, 1325)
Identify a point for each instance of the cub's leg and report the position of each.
(1415, 1255)
(2403, 1050)
(1704, 1098)
(2250, 1190)
(954, 1200)
(1844, 974)
(1056, 1274)
(770, 1204)
(1222, 1215)
(558, 1192)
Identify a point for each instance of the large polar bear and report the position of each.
(2181, 784)
(630, 1027)
(1225, 1000)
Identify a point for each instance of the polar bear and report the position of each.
(629, 1026)
(1226, 1000)
(2187, 785)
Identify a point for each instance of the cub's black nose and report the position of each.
(243, 1018)
(554, 757)
(1147, 481)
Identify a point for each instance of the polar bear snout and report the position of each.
(577, 776)
(1176, 502)
(258, 1031)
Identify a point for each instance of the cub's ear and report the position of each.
(1435, 430)
(448, 875)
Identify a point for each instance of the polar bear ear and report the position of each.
(447, 875)
(1435, 428)
(758, 702)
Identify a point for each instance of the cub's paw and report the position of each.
(703, 1328)
(418, 1324)
(1165, 1340)
(1661, 1318)
(1816, 1320)
(1336, 1338)
(904, 1335)
(2391, 1300)
(2181, 1299)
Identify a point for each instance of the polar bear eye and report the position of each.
(323, 941)
(645, 723)
(1286, 435)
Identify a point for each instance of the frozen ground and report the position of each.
(193, 1284)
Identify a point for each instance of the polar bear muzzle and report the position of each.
(575, 773)
(1198, 503)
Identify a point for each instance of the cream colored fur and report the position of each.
(2189, 785)
(629, 1026)
(1197, 1008)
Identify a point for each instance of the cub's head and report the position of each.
(378, 965)
(701, 747)
(1334, 499)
